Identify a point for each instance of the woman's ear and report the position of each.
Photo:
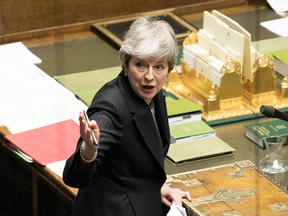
(125, 70)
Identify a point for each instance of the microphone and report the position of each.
(272, 112)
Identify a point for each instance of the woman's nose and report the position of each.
(149, 75)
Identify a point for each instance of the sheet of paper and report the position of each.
(210, 23)
(215, 73)
(33, 104)
(277, 26)
(203, 41)
(17, 53)
(279, 6)
(57, 167)
(226, 36)
(22, 72)
(189, 59)
(202, 67)
(220, 52)
(246, 55)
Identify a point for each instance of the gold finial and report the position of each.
(191, 39)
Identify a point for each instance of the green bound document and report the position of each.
(257, 132)
(281, 61)
(181, 106)
(183, 110)
(190, 130)
(199, 149)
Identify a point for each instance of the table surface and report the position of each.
(93, 53)
(234, 135)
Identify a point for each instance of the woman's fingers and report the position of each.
(83, 125)
(95, 128)
(187, 196)
(86, 131)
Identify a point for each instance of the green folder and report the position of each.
(190, 129)
(181, 106)
(199, 149)
(85, 84)
(282, 55)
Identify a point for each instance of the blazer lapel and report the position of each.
(147, 128)
(143, 119)
(161, 113)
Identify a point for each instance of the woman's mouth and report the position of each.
(148, 88)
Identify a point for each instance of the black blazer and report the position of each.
(128, 173)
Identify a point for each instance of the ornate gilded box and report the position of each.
(237, 189)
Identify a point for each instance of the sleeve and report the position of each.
(108, 117)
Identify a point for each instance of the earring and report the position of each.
(125, 74)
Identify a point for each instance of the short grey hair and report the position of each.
(149, 38)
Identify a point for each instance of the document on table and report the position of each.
(57, 167)
(279, 6)
(30, 98)
(277, 26)
(31, 104)
(23, 72)
(17, 53)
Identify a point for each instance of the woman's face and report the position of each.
(146, 76)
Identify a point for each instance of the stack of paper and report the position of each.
(38, 110)
(32, 104)
(30, 98)
(17, 53)
(18, 63)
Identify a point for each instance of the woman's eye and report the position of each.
(139, 65)
(159, 67)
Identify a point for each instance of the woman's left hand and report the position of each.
(173, 194)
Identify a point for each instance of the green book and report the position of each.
(282, 55)
(199, 149)
(257, 132)
(281, 61)
(183, 110)
(190, 131)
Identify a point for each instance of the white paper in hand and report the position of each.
(176, 210)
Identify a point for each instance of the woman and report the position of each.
(125, 174)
